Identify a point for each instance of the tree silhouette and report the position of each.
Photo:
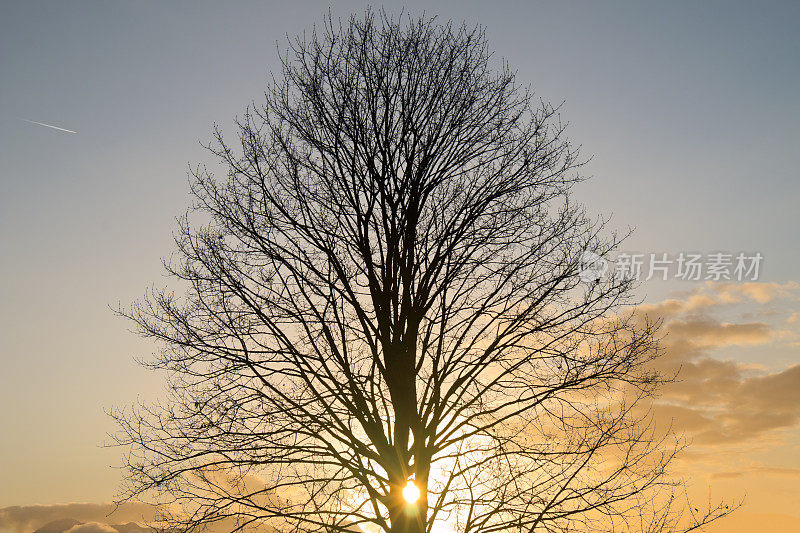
(384, 290)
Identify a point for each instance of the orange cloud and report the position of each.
(755, 291)
(92, 527)
(715, 295)
(716, 400)
(741, 418)
(783, 472)
(729, 406)
(713, 334)
(742, 522)
(24, 519)
(95, 518)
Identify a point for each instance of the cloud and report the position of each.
(743, 522)
(95, 518)
(755, 291)
(716, 400)
(92, 527)
(713, 295)
(713, 334)
(758, 470)
(24, 519)
(727, 475)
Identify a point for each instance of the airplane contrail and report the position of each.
(48, 126)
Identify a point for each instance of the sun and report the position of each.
(411, 492)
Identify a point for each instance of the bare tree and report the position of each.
(383, 294)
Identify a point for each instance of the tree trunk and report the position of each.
(406, 517)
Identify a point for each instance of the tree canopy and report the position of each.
(382, 287)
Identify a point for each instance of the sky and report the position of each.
(688, 112)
